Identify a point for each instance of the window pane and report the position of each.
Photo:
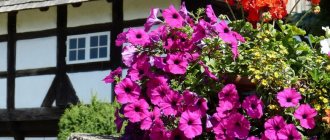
(103, 40)
(81, 43)
(72, 55)
(73, 43)
(81, 54)
(103, 52)
(93, 52)
(94, 41)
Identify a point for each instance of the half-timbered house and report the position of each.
(54, 53)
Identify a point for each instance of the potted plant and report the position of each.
(180, 77)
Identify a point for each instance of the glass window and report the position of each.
(88, 48)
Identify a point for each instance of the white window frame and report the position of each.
(87, 48)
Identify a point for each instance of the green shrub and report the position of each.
(96, 118)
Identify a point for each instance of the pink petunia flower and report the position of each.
(220, 130)
(171, 104)
(289, 132)
(288, 97)
(228, 93)
(158, 94)
(183, 11)
(194, 103)
(226, 108)
(252, 138)
(111, 77)
(147, 122)
(305, 114)
(127, 91)
(137, 37)
(238, 126)
(177, 134)
(253, 106)
(191, 124)
(121, 39)
(176, 64)
(139, 70)
(172, 17)
(152, 19)
(158, 131)
(210, 14)
(128, 55)
(273, 126)
(136, 111)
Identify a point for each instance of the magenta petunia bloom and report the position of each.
(238, 126)
(127, 91)
(210, 14)
(121, 39)
(226, 108)
(183, 11)
(139, 70)
(252, 138)
(128, 55)
(147, 122)
(152, 19)
(289, 132)
(305, 114)
(171, 104)
(220, 130)
(253, 106)
(136, 111)
(191, 124)
(288, 97)
(156, 81)
(158, 131)
(137, 37)
(158, 94)
(194, 103)
(111, 77)
(176, 64)
(177, 134)
(228, 93)
(172, 17)
(273, 126)
(118, 121)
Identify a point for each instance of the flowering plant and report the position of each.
(177, 83)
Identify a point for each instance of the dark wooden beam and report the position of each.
(43, 128)
(34, 72)
(11, 60)
(117, 28)
(93, 66)
(134, 23)
(31, 114)
(36, 34)
(101, 27)
(3, 38)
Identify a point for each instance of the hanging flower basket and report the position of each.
(174, 87)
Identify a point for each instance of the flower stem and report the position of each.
(231, 10)
(307, 12)
(295, 5)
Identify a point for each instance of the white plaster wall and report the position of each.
(3, 93)
(36, 20)
(137, 9)
(38, 138)
(90, 13)
(30, 91)
(88, 83)
(36, 53)
(3, 23)
(3, 56)
(7, 138)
